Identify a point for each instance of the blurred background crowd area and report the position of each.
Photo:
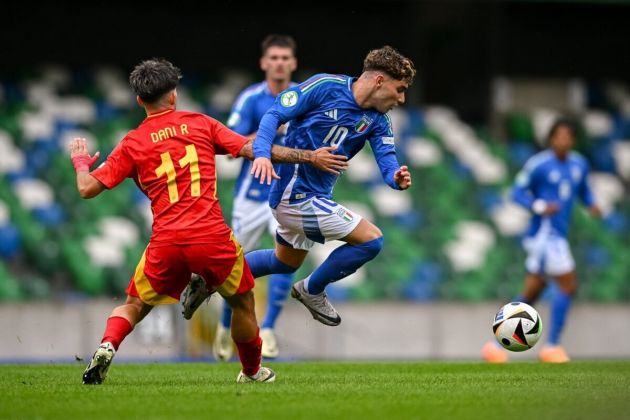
(492, 77)
(454, 235)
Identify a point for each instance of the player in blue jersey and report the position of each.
(329, 110)
(251, 215)
(548, 186)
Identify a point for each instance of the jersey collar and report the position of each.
(268, 91)
(266, 88)
(158, 114)
(349, 84)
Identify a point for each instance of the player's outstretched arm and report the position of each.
(87, 185)
(402, 177)
(322, 159)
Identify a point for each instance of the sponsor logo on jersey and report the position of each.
(363, 124)
(387, 140)
(331, 114)
(288, 99)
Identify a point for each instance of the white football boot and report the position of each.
(195, 294)
(96, 371)
(222, 348)
(269, 344)
(264, 374)
(318, 305)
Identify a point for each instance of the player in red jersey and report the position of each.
(171, 157)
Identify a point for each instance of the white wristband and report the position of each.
(539, 206)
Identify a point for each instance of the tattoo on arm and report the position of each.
(281, 154)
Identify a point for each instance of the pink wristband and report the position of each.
(82, 163)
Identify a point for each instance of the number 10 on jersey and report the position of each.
(167, 168)
(336, 135)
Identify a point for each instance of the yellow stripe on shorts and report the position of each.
(145, 290)
(233, 281)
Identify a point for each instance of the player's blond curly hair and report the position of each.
(391, 62)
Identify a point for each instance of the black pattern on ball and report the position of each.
(505, 341)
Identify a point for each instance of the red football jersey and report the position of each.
(171, 157)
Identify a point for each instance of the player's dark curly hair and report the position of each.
(276, 40)
(153, 78)
(391, 62)
(562, 122)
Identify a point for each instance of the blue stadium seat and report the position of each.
(10, 243)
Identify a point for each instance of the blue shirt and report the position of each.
(548, 178)
(248, 110)
(323, 112)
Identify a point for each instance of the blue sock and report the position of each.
(560, 304)
(263, 262)
(226, 315)
(342, 262)
(279, 286)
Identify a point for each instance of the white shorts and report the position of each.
(548, 254)
(314, 220)
(250, 219)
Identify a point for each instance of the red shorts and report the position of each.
(164, 271)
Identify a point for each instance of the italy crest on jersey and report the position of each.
(363, 124)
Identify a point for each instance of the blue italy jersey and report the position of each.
(248, 110)
(323, 112)
(553, 180)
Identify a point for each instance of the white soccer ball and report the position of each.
(517, 326)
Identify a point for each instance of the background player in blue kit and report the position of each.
(339, 111)
(251, 215)
(548, 186)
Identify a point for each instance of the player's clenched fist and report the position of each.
(402, 177)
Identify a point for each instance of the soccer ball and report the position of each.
(517, 326)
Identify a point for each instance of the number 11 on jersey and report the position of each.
(167, 168)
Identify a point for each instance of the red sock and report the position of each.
(249, 353)
(116, 330)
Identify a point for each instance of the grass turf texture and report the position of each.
(579, 390)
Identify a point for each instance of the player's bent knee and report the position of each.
(569, 288)
(281, 268)
(364, 232)
(377, 233)
(373, 232)
(373, 247)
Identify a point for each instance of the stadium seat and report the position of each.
(461, 173)
(10, 243)
(9, 287)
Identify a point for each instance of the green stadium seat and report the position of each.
(520, 127)
(9, 288)
(86, 276)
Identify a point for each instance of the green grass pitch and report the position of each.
(326, 390)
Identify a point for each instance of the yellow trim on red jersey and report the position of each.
(157, 114)
(233, 281)
(144, 288)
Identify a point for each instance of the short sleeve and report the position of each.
(241, 118)
(225, 140)
(118, 166)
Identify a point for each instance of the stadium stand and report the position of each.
(454, 235)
